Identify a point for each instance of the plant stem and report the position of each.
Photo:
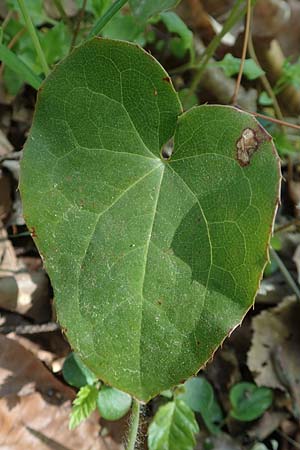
(34, 36)
(134, 425)
(264, 80)
(100, 24)
(236, 13)
(63, 14)
(288, 278)
(272, 119)
(80, 17)
(244, 54)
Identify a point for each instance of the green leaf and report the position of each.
(83, 405)
(264, 99)
(153, 261)
(231, 66)
(76, 373)
(19, 67)
(112, 403)
(174, 24)
(36, 8)
(12, 81)
(249, 401)
(96, 7)
(56, 42)
(290, 75)
(167, 394)
(144, 9)
(199, 396)
(124, 27)
(174, 427)
(283, 144)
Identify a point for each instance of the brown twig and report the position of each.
(277, 121)
(286, 226)
(77, 28)
(264, 80)
(244, 53)
(236, 14)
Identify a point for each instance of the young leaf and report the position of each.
(144, 9)
(76, 373)
(199, 396)
(249, 401)
(174, 427)
(231, 66)
(153, 261)
(264, 99)
(83, 405)
(112, 403)
(290, 75)
(175, 25)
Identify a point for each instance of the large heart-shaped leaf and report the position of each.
(153, 261)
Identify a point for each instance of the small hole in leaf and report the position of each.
(167, 150)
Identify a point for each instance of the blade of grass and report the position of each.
(100, 24)
(17, 65)
(32, 31)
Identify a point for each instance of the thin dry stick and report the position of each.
(264, 80)
(272, 119)
(284, 227)
(237, 12)
(80, 17)
(244, 53)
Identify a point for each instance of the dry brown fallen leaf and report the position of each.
(22, 291)
(221, 442)
(274, 356)
(35, 407)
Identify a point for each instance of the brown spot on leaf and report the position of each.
(32, 232)
(167, 79)
(246, 146)
(155, 92)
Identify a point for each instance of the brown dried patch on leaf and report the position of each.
(248, 143)
(35, 407)
(274, 357)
